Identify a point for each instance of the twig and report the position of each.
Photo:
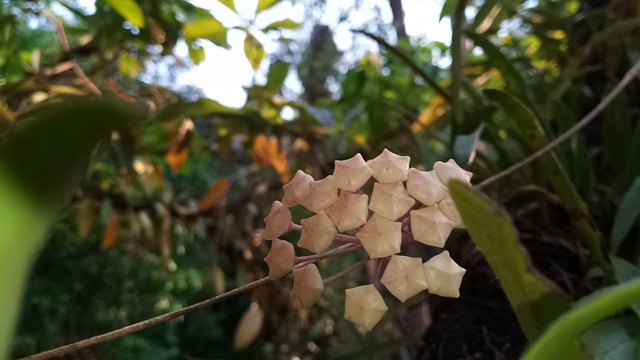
(407, 60)
(64, 44)
(569, 133)
(144, 324)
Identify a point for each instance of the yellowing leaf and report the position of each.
(254, 51)
(249, 327)
(282, 24)
(130, 10)
(216, 278)
(111, 231)
(265, 4)
(87, 214)
(129, 66)
(176, 159)
(435, 109)
(216, 192)
(228, 3)
(65, 90)
(203, 29)
(196, 53)
(266, 151)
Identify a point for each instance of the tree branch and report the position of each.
(407, 60)
(144, 324)
(569, 133)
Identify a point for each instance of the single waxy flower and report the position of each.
(352, 173)
(381, 237)
(389, 167)
(307, 285)
(317, 232)
(281, 258)
(296, 188)
(425, 186)
(390, 200)
(277, 221)
(451, 170)
(404, 277)
(430, 226)
(349, 211)
(450, 210)
(443, 275)
(364, 306)
(322, 194)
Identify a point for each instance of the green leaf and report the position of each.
(614, 339)
(41, 160)
(277, 74)
(464, 146)
(130, 10)
(254, 51)
(449, 8)
(201, 107)
(626, 271)
(209, 29)
(483, 12)
(265, 4)
(535, 300)
(282, 24)
(626, 215)
(501, 62)
(562, 339)
(229, 3)
(196, 53)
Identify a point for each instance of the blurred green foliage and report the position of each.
(130, 241)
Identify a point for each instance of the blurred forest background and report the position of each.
(166, 213)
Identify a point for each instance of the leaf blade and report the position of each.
(130, 10)
(626, 215)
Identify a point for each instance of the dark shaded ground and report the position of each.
(481, 324)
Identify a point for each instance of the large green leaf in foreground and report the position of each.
(535, 300)
(41, 160)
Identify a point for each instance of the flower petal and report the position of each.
(443, 275)
(381, 237)
(389, 167)
(349, 211)
(364, 306)
(317, 232)
(352, 173)
(390, 200)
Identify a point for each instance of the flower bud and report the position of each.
(443, 275)
(277, 221)
(307, 285)
(317, 232)
(451, 170)
(389, 167)
(425, 186)
(381, 237)
(322, 194)
(450, 210)
(404, 277)
(349, 211)
(390, 200)
(281, 258)
(352, 173)
(364, 306)
(296, 188)
(430, 226)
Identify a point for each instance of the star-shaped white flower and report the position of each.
(451, 170)
(450, 210)
(425, 186)
(381, 237)
(296, 188)
(317, 232)
(364, 306)
(277, 221)
(430, 226)
(389, 167)
(404, 277)
(352, 173)
(349, 211)
(307, 285)
(322, 194)
(443, 275)
(390, 200)
(281, 258)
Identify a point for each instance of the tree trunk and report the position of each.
(398, 18)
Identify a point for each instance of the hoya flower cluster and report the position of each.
(405, 205)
